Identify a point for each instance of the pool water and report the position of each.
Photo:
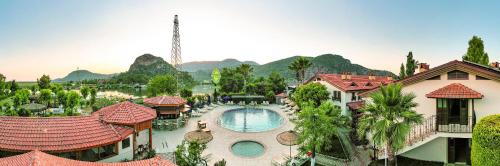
(250, 120)
(247, 149)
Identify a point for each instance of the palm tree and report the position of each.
(388, 118)
(317, 125)
(300, 66)
(245, 70)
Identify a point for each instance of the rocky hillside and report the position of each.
(80, 75)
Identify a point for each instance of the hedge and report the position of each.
(486, 142)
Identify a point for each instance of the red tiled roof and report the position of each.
(126, 113)
(60, 134)
(356, 105)
(37, 158)
(281, 95)
(165, 100)
(355, 83)
(455, 91)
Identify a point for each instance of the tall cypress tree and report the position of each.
(475, 52)
(402, 72)
(411, 65)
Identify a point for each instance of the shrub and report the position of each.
(486, 141)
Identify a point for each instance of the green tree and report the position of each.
(411, 65)
(300, 66)
(185, 93)
(388, 118)
(317, 125)
(276, 82)
(162, 84)
(93, 94)
(402, 71)
(72, 102)
(475, 52)
(245, 70)
(21, 97)
(85, 90)
(231, 81)
(43, 82)
(190, 154)
(45, 96)
(312, 92)
(14, 86)
(61, 97)
(3, 86)
(216, 76)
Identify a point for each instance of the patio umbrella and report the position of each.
(200, 136)
(288, 138)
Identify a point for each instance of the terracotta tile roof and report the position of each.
(281, 95)
(60, 134)
(469, 67)
(165, 100)
(355, 83)
(455, 91)
(37, 158)
(126, 113)
(356, 105)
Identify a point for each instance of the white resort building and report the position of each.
(452, 97)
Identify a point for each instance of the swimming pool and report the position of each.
(247, 149)
(250, 119)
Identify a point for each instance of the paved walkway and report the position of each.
(219, 147)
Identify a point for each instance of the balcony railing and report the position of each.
(432, 125)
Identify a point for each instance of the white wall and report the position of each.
(435, 150)
(342, 103)
(488, 105)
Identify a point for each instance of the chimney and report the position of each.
(371, 76)
(343, 75)
(495, 65)
(422, 67)
(389, 78)
(348, 75)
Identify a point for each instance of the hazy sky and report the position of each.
(56, 37)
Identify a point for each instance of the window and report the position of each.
(458, 75)
(481, 78)
(435, 78)
(336, 96)
(353, 97)
(126, 143)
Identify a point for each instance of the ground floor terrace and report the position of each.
(223, 139)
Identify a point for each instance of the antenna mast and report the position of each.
(175, 58)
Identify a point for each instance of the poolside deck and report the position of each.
(219, 147)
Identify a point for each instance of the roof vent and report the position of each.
(495, 65)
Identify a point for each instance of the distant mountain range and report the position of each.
(326, 63)
(80, 75)
(147, 65)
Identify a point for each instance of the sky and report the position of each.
(56, 37)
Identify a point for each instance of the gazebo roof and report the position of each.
(126, 113)
(39, 158)
(455, 91)
(58, 134)
(165, 101)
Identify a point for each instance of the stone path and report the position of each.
(166, 141)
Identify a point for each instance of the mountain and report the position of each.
(326, 63)
(145, 67)
(80, 75)
(210, 65)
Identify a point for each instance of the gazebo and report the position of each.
(167, 107)
(132, 115)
